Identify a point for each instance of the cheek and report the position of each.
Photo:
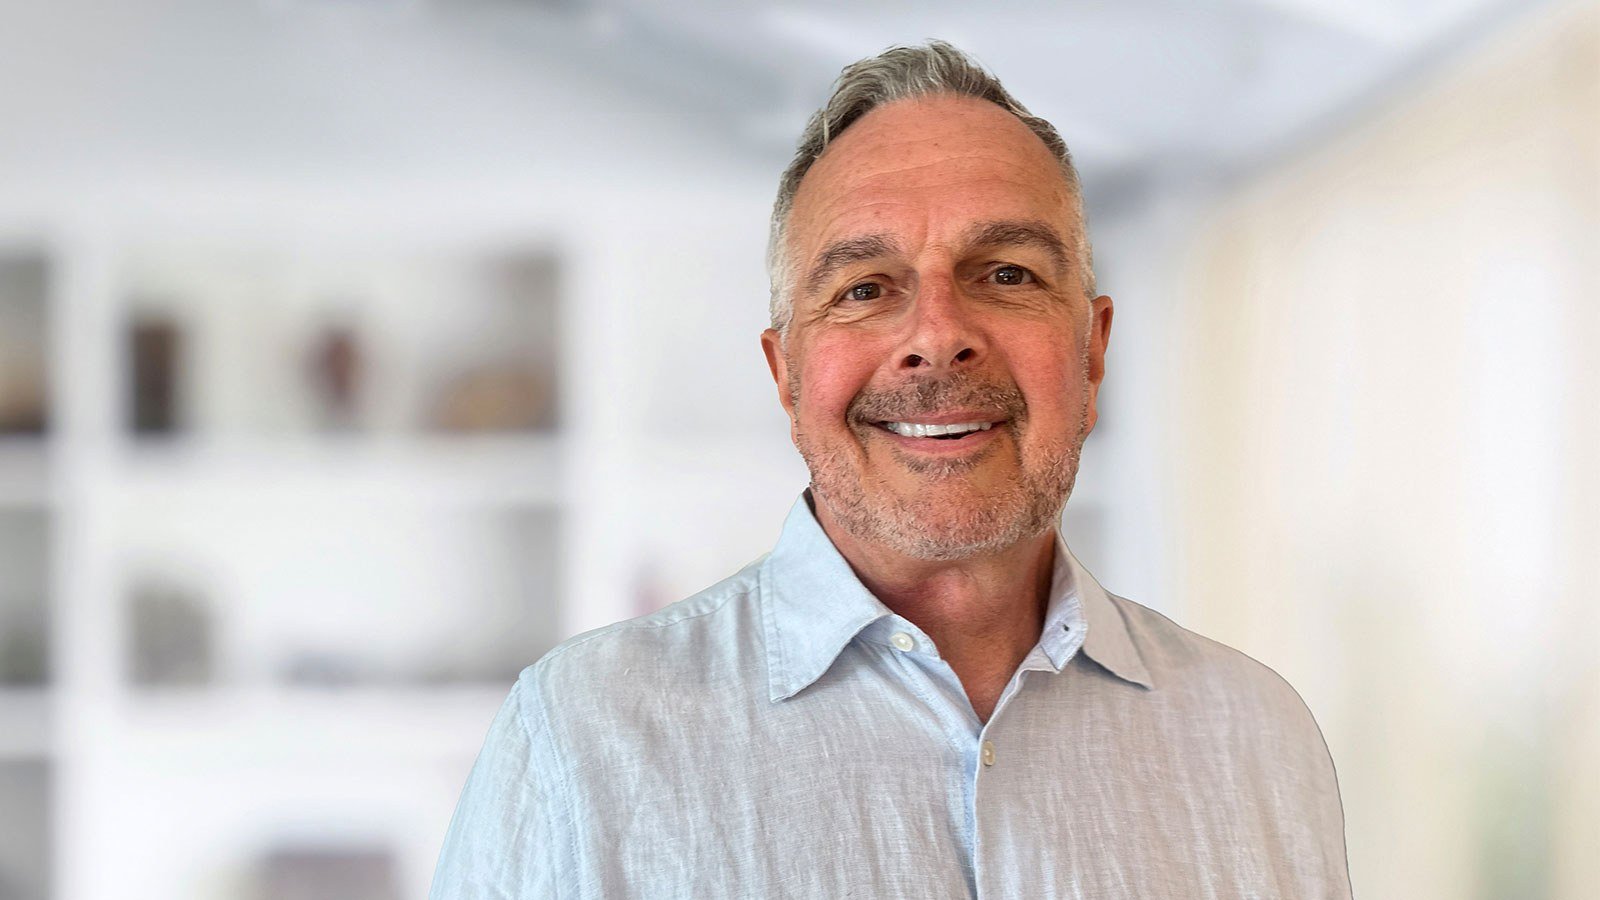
(834, 372)
(1053, 382)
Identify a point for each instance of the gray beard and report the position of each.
(923, 527)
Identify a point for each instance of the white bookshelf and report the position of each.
(427, 532)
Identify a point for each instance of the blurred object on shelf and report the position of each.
(24, 339)
(446, 674)
(503, 376)
(26, 823)
(507, 397)
(156, 351)
(322, 668)
(336, 369)
(259, 340)
(169, 628)
(326, 873)
(24, 601)
(455, 663)
(24, 646)
(22, 403)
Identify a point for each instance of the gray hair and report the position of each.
(903, 73)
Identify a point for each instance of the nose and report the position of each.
(943, 333)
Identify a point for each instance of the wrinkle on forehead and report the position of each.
(913, 166)
(876, 181)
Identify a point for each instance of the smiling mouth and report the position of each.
(951, 432)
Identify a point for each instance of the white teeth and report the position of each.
(913, 429)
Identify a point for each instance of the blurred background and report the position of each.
(355, 352)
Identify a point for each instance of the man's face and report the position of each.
(934, 284)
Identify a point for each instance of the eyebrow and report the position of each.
(842, 253)
(1020, 232)
(1000, 233)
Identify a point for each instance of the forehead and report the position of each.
(925, 169)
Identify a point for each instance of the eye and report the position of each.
(1011, 275)
(866, 290)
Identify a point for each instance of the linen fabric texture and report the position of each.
(769, 737)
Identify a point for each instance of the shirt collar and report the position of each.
(1109, 642)
(813, 605)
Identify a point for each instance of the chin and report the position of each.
(989, 527)
(935, 526)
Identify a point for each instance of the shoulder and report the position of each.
(710, 636)
(1234, 711)
(1217, 677)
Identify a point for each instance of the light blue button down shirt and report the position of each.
(785, 734)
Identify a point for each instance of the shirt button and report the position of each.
(902, 641)
(987, 755)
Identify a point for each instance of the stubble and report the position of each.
(925, 525)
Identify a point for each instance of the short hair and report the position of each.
(903, 73)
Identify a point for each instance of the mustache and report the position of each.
(927, 397)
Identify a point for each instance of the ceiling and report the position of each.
(1139, 88)
(1128, 82)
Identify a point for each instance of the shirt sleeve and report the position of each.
(502, 840)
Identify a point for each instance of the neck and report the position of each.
(983, 612)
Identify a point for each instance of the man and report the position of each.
(919, 692)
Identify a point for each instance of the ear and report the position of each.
(778, 364)
(1100, 310)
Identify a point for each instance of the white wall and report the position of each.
(1385, 453)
